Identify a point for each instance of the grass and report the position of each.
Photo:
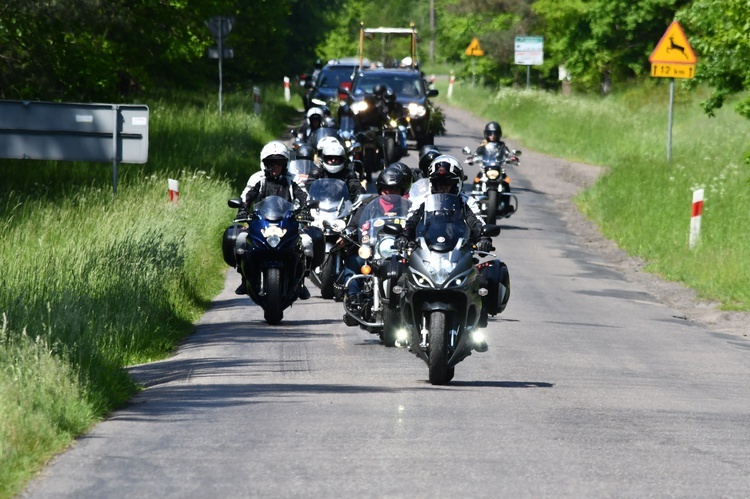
(644, 203)
(92, 283)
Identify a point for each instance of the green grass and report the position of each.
(92, 283)
(643, 204)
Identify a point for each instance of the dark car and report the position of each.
(411, 92)
(324, 90)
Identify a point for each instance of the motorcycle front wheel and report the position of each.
(391, 323)
(491, 206)
(273, 312)
(437, 363)
(327, 276)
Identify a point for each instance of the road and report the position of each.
(591, 388)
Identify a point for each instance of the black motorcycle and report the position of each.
(269, 254)
(443, 296)
(377, 311)
(491, 187)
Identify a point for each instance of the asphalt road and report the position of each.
(591, 388)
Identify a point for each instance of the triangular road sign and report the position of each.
(673, 47)
(474, 48)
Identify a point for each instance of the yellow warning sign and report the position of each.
(474, 49)
(673, 48)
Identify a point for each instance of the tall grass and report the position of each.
(644, 202)
(91, 283)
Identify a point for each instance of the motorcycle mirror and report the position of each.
(312, 204)
(516, 152)
(490, 230)
(433, 92)
(234, 202)
(466, 150)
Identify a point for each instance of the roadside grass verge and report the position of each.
(644, 202)
(92, 283)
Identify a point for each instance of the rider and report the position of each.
(313, 121)
(426, 155)
(274, 180)
(492, 133)
(391, 180)
(333, 163)
(446, 177)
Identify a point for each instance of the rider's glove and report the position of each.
(243, 213)
(485, 244)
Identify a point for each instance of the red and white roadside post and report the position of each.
(450, 84)
(174, 190)
(256, 99)
(695, 219)
(287, 91)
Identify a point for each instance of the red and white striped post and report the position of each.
(174, 190)
(450, 84)
(695, 219)
(287, 91)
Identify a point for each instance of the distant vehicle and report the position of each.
(323, 91)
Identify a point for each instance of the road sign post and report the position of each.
(529, 51)
(672, 58)
(474, 51)
(220, 26)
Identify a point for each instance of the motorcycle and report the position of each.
(491, 186)
(331, 216)
(378, 310)
(269, 254)
(442, 295)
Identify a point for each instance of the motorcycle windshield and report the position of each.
(443, 227)
(322, 133)
(346, 126)
(332, 196)
(274, 208)
(301, 169)
(418, 192)
(491, 155)
(390, 208)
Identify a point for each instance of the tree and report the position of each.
(720, 35)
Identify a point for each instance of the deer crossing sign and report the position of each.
(673, 56)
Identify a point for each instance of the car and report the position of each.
(323, 91)
(412, 92)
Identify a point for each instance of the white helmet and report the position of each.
(324, 142)
(314, 111)
(274, 150)
(333, 156)
(446, 169)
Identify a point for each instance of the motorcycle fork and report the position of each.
(426, 333)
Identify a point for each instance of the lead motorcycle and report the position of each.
(269, 254)
(444, 300)
(378, 310)
(491, 186)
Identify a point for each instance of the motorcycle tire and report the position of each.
(369, 159)
(491, 206)
(389, 151)
(438, 349)
(327, 277)
(391, 324)
(273, 313)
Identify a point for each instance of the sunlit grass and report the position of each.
(644, 203)
(92, 282)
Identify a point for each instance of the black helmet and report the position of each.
(305, 151)
(408, 175)
(446, 169)
(493, 127)
(391, 177)
(426, 156)
(379, 89)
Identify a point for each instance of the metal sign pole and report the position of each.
(114, 150)
(528, 77)
(669, 125)
(221, 56)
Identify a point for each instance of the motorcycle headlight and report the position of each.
(492, 174)
(440, 269)
(421, 280)
(364, 252)
(338, 225)
(384, 247)
(394, 124)
(273, 240)
(415, 110)
(359, 106)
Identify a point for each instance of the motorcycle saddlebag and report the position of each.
(498, 278)
(227, 244)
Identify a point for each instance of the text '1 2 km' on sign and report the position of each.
(673, 56)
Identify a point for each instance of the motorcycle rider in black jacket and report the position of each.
(333, 163)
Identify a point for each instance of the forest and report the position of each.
(100, 50)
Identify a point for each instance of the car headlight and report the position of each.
(415, 110)
(358, 107)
